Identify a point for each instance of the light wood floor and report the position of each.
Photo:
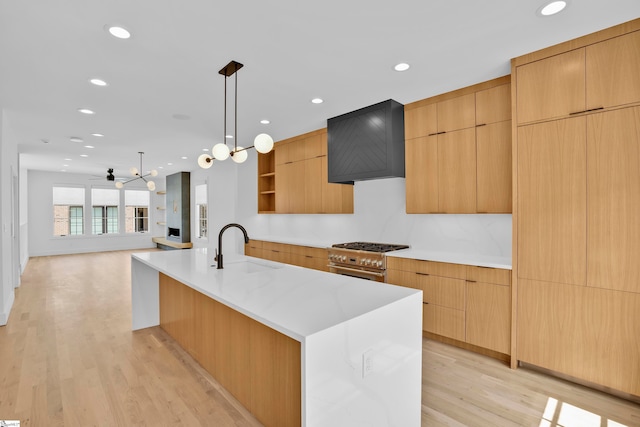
(68, 357)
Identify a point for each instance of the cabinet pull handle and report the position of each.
(308, 256)
(440, 133)
(471, 281)
(286, 163)
(432, 134)
(422, 274)
(273, 250)
(425, 303)
(483, 124)
(586, 111)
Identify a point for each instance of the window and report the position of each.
(136, 208)
(201, 211)
(104, 207)
(68, 204)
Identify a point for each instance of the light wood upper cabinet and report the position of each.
(552, 201)
(421, 166)
(421, 121)
(299, 183)
(457, 171)
(312, 185)
(613, 71)
(613, 174)
(493, 105)
(552, 87)
(458, 152)
(493, 150)
(457, 113)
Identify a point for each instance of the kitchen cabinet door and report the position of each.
(421, 163)
(312, 185)
(336, 198)
(442, 291)
(493, 105)
(552, 87)
(493, 145)
(613, 71)
(457, 171)
(488, 316)
(290, 187)
(613, 167)
(587, 333)
(421, 121)
(444, 321)
(552, 187)
(457, 113)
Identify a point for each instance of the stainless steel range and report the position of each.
(361, 259)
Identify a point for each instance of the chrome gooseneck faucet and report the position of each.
(219, 250)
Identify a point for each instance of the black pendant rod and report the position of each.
(235, 116)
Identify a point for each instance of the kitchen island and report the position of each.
(319, 349)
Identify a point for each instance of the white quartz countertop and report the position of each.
(455, 258)
(293, 300)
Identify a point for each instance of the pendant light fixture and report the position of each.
(263, 143)
(137, 173)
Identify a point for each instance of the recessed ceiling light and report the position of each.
(68, 160)
(63, 170)
(119, 32)
(181, 116)
(205, 149)
(265, 121)
(317, 100)
(99, 135)
(86, 111)
(552, 8)
(229, 136)
(89, 146)
(403, 66)
(184, 157)
(160, 167)
(66, 166)
(169, 164)
(76, 139)
(98, 82)
(84, 155)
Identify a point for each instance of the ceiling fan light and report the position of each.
(119, 184)
(220, 151)
(205, 161)
(151, 185)
(263, 143)
(239, 156)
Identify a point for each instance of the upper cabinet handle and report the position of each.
(482, 124)
(586, 111)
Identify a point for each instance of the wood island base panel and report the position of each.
(295, 346)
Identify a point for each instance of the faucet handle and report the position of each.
(216, 258)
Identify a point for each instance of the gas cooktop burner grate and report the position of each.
(370, 247)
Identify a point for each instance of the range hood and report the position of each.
(367, 143)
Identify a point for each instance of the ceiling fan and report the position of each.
(110, 176)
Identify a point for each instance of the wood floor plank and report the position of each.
(68, 357)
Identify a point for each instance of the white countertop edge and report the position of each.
(490, 261)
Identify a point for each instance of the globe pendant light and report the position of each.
(263, 143)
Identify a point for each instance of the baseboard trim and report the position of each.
(6, 310)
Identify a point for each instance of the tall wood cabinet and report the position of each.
(576, 225)
(458, 151)
(293, 178)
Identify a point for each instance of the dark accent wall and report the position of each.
(179, 207)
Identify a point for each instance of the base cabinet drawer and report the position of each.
(444, 321)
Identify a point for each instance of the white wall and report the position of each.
(24, 218)
(40, 217)
(8, 245)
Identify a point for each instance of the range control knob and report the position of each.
(379, 264)
(343, 258)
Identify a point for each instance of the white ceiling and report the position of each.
(342, 51)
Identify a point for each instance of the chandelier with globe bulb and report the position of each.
(263, 143)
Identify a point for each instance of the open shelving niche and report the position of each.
(267, 182)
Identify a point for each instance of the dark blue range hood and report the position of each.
(367, 143)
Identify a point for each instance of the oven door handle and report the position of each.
(355, 270)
